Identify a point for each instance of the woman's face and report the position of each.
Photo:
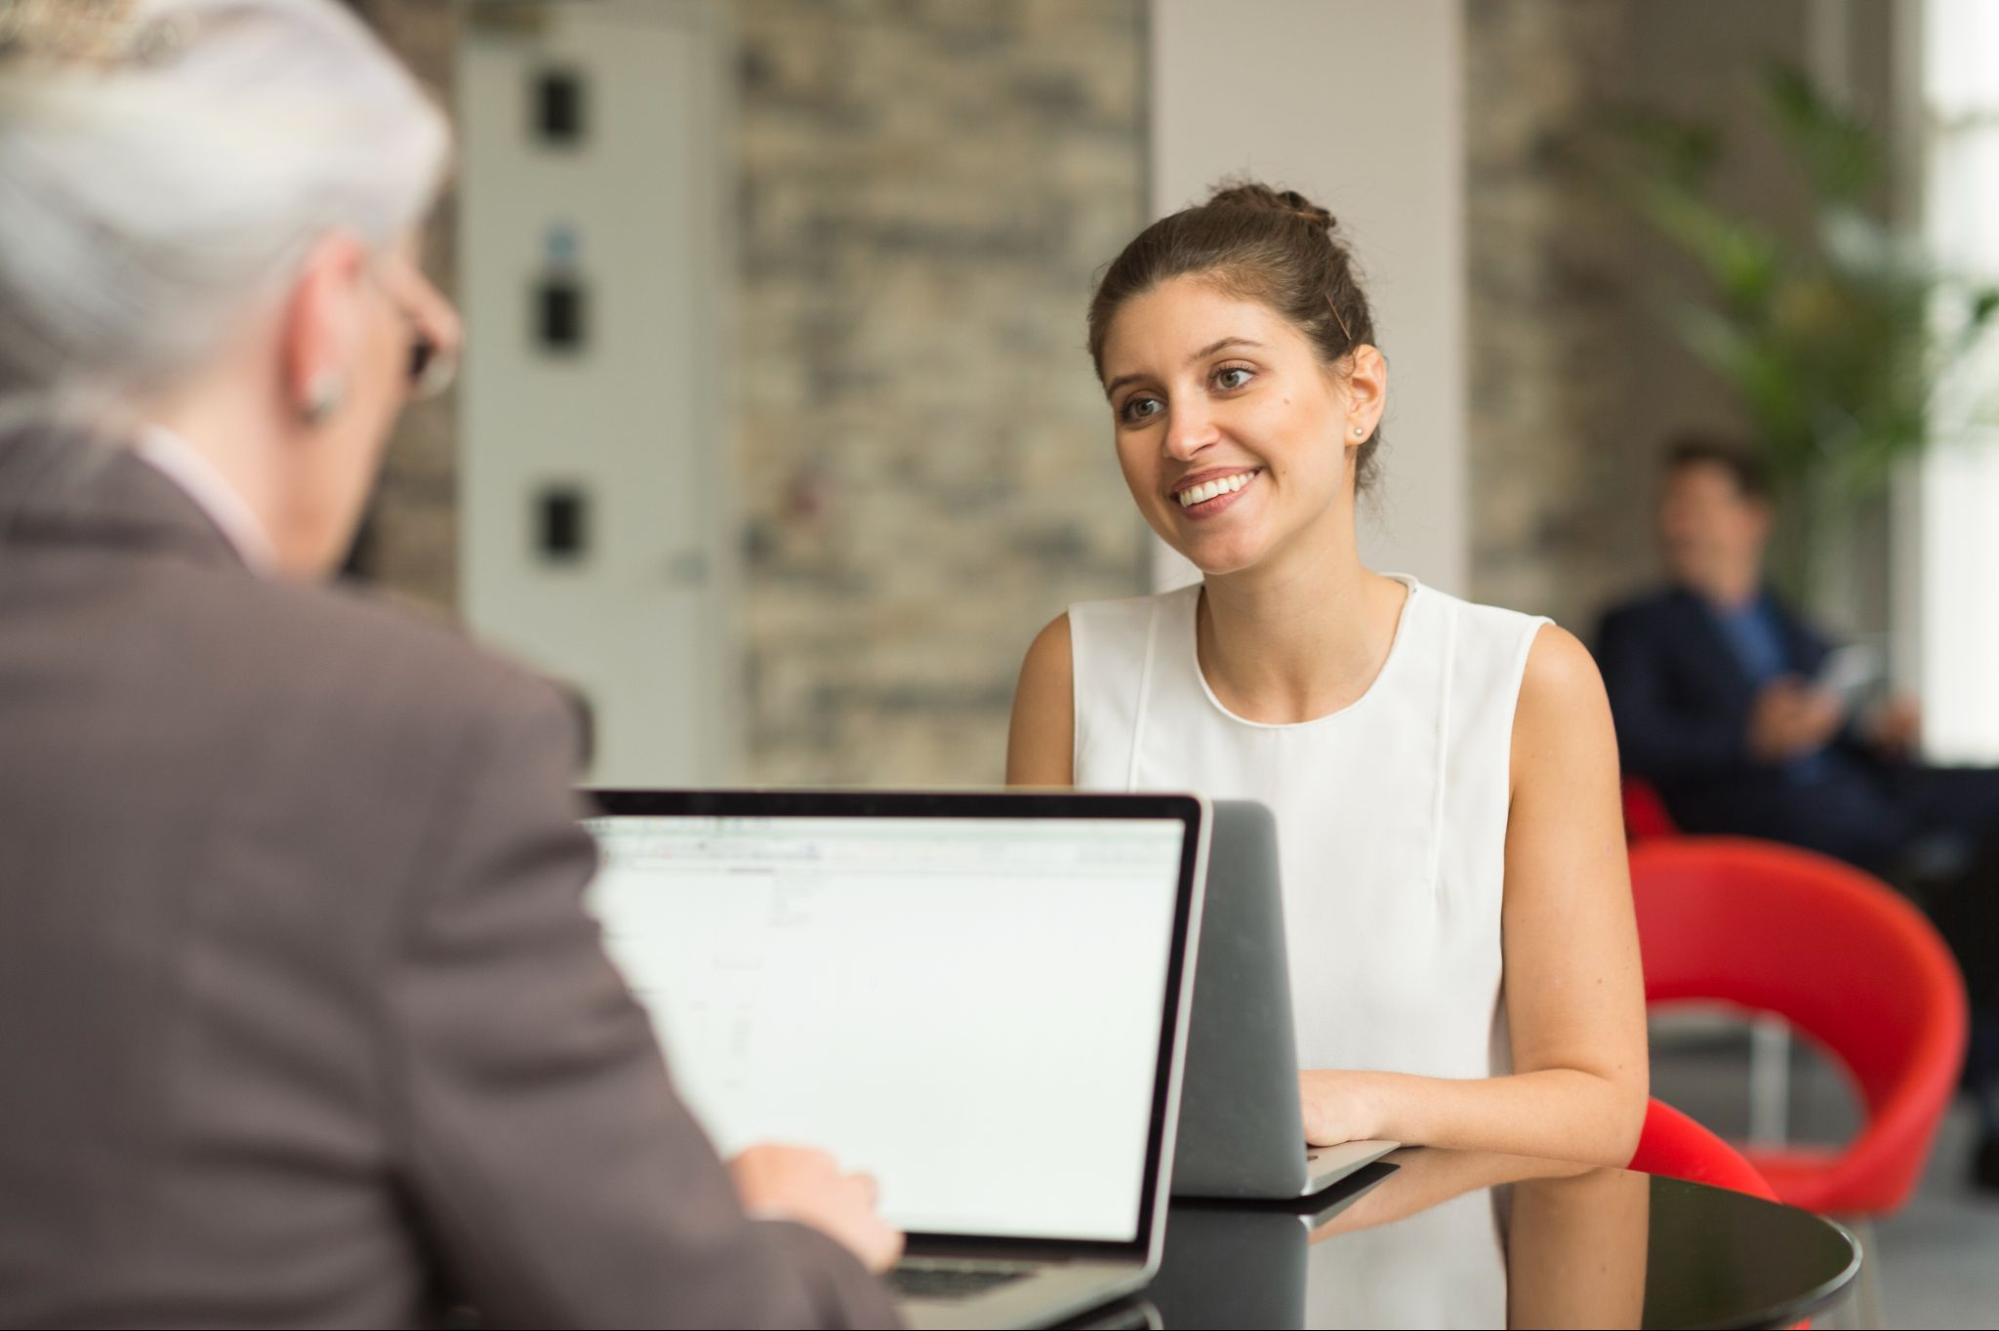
(1234, 436)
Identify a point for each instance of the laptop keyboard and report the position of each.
(950, 1281)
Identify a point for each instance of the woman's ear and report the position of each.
(321, 327)
(1367, 392)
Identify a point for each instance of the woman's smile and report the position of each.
(1205, 494)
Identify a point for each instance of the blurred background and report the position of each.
(778, 437)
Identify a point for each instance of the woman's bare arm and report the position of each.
(1574, 988)
(1041, 745)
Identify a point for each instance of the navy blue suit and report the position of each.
(1682, 702)
(1681, 699)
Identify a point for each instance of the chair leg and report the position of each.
(1769, 1080)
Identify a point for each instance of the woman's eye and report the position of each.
(1140, 408)
(1233, 376)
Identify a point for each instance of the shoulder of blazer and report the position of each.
(373, 653)
(1645, 616)
(68, 488)
(1673, 626)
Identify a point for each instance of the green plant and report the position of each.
(1838, 345)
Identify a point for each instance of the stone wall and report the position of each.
(925, 459)
(1575, 380)
(1557, 518)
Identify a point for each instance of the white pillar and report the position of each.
(1359, 106)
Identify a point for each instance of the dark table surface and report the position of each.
(1452, 1239)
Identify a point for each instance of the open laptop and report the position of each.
(978, 998)
(1242, 1134)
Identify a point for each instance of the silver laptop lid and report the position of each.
(978, 998)
(1241, 1133)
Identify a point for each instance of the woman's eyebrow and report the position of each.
(1205, 352)
(1222, 345)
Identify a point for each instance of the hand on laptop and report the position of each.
(1336, 1107)
(801, 1184)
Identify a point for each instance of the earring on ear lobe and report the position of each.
(323, 398)
(1360, 432)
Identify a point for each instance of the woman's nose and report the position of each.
(1190, 431)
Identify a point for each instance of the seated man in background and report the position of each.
(302, 1020)
(1718, 694)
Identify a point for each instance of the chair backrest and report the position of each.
(1835, 952)
(1676, 1146)
(1645, 815)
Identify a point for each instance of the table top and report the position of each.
(1456, 1239)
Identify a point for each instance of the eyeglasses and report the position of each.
(431, 370)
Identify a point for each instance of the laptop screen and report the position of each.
(967, 1008)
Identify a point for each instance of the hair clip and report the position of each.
(1345, 331)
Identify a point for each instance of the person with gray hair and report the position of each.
(302, 1020)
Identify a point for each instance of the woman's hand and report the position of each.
(1338, 1106)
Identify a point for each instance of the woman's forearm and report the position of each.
(1555, 1113)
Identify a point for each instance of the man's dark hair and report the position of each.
(1752, 477)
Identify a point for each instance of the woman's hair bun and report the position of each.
(1256, 194)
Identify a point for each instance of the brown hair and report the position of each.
(1693, 449)
(1254, 242)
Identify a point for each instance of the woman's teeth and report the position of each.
(1202, 493)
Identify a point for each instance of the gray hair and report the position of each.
(164, 168)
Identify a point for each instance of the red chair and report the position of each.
(1645, 816)
(1677, 1147)
(1845, 961)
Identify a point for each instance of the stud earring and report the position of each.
(323, 398)
(1360, 432)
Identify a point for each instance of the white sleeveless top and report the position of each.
(1391, 814)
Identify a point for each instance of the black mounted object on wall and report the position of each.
(561, 314)
(562, 524)
(559, 106)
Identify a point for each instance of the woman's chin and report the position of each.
(1219, 558)
(1215, 552)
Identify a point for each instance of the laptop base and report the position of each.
(1327, 1165)
(1052, 1292)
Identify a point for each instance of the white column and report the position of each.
(1958, 542)
(1359, 106)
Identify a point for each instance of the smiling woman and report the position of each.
(1444, 774)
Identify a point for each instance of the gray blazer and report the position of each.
(301, 1019)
